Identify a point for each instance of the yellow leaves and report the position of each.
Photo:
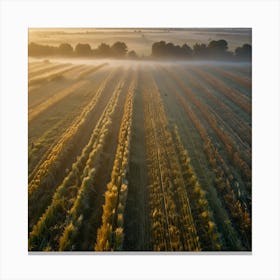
(211, 225)
(111, 197)
(120, 208)
(65, 240)
(120, 220)
(123, 188)
(48, 249)
(202, 202)
(205, 214)
(104, 237)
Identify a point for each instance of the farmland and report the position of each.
(139, 156)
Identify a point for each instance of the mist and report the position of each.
(136, 62)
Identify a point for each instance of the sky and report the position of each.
(139, 39)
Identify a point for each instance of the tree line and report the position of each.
(214, 50)
(118, 49)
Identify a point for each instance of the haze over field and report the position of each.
(139, 39)
(149, 154)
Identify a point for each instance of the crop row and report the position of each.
(34, 112)
(245, 82)
(55, 155)
(203, 218)
(40, 66)
(224, 180)
(229, 237)
(47, 90)
(60, 221)
(55, 164)
(49, 69)
(229, 144)
(110, 235)
(242, 131)
(50, 77)
(81, 204)
(173, 226)
(233, 95)
(90, 71)
(38, 109)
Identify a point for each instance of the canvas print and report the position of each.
(139, 139)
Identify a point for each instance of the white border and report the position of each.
(17, 16)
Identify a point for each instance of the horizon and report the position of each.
(139, 39)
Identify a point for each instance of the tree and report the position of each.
(158, 49)
(119, 49)
(161, 49)
(169, 49)
(217, 48)
(244, 52)
(40, 50)
(187, 50)
(83, 50)
(65, 49)
(200, 50)
(132, 54)
(103, 50)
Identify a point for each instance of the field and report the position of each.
(139, 156)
